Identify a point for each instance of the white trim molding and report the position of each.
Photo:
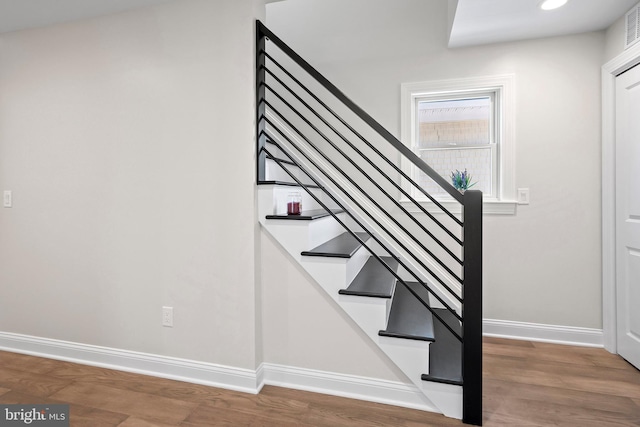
(191, 371)
(351, 386)
(489, 207)
(395, 393)
(567, 335)
(626, 60)
(504, 86)
(232, 378)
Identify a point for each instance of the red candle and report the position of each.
(294, 203)
(293, 208)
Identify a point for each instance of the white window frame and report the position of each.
(504, 201)
(492, 144)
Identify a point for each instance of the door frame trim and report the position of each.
(610, 70)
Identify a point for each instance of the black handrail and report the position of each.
(471, 201)
(363, 115)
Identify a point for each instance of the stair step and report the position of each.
(286, 183)
(342, 246)
(280, 160)
(408, 317)
(374, 280)
(305, 215)
(445, 354)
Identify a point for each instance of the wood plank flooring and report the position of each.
(525, 384)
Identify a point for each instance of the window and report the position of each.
(462, 124)
(457, 133)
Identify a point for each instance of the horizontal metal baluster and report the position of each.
(414, 256)
(372, 147)
(446, 249)
(325, 207)
(313, 163)
(367, 159)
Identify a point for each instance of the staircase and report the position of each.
(413, 285)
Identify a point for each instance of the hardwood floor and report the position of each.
(525, 384)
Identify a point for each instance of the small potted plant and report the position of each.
(461, 180)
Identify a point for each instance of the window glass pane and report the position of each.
(451, 123)
(477, 162)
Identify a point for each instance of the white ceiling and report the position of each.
(492, 21)
(476, 21)
(22, 14)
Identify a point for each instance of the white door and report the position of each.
(628, 214)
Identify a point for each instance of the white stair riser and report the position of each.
(277, 197)
(370, 314)
(273, 199)
(332, 273)
(355, 264)
(274, 172)
(297, 236)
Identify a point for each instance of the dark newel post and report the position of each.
(260, 108)
(472, 309)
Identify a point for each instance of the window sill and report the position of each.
(489, 206)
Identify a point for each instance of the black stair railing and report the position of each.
(321, 132)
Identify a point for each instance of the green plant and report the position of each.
(461, 180)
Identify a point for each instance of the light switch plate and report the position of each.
(7, 201)
(523, 196)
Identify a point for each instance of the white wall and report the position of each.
(128, 144)
(542, 265)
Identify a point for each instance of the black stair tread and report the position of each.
(408, 317)
(445, 354)
(374, 280)
(289, 184)
(342, 246)
(305, 215)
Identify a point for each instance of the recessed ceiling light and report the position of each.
(552, 4)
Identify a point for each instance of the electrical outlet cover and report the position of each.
(167, 316)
